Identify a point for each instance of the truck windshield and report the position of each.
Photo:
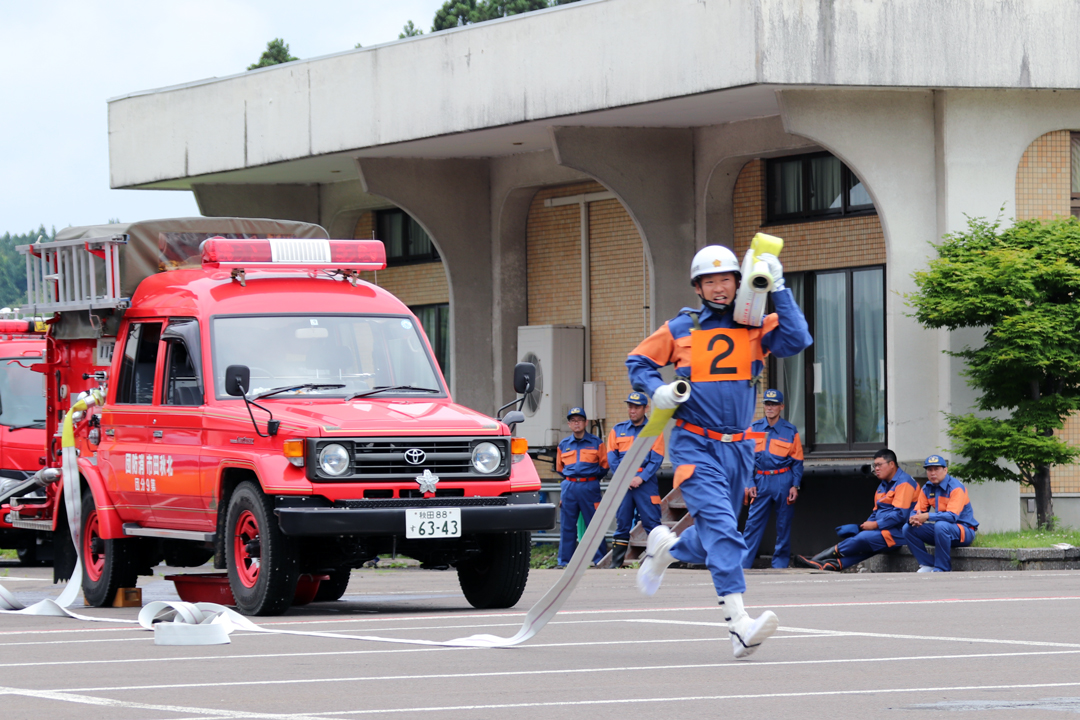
(362, 352)
(21, 393)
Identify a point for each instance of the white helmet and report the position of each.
(713, 259)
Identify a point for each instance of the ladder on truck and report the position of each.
(63, 274)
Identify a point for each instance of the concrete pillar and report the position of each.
(451, 200)
(651, 170)
(888, 139)
(277, 202)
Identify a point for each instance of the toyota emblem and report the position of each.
(415, 456)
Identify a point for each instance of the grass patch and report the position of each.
(544, 555)
(1028, 538)
(9, 554)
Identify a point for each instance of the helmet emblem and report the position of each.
(415, 456)
(427, 482)
(717, 263)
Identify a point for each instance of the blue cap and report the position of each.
(636, 398)
(936, 461)
(576, 411)
(773, 396)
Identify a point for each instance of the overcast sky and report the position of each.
(67, 57)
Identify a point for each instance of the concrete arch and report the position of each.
(1043, 181)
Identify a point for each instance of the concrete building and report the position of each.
(561, 168)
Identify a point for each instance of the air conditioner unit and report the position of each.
(558, 351)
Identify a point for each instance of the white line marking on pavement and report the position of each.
(561, 671)
(933, 638)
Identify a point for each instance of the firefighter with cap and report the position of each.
(943, 516)
(778, 469)
(644, 493)
(709, 447)
(582, 461)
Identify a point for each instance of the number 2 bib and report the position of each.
(720, 354)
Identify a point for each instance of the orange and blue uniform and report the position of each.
(951, 523)
(893, 502)
(709, 446)
(645, 498)
(582, 463)
(778, 467)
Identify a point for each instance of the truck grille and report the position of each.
(421, 502)
(396, 459)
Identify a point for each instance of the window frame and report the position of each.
(409, 257)
(850, 448)
(121, 376)
(845, 210)
(435, 342)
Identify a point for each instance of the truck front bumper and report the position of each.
(308, 521)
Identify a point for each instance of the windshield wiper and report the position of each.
(36, 423)
(305, 386)
(384, 388)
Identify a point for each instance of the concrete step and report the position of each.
(970, 559)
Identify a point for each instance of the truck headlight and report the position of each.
(486, 458)
(334, 460)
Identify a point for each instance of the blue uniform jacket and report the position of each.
(780, 449)
(619, 440)
(584, 458)
(947, 501)
(894, 501)
(726, 407)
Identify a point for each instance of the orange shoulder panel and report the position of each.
(770, 323)
(796, 450)
(658, 347)
(903, 496)
(958, 499)
(658, 446)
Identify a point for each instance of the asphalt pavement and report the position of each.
(852, 645)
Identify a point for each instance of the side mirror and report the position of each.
(237, 380)
(524, 378)
(514, 417)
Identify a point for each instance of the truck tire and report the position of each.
(496, 578)
(335, 587)
(107, 564)
(261, 559)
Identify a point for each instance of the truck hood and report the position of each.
(387, 417)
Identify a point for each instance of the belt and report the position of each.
(772, 472)
(580, 479)
(722, 437)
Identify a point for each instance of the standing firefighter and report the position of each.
(778, 469)
(582, 460)
(709, 446)
(644, 492)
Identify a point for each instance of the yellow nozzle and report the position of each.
(763, 243)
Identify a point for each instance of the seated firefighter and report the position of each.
(943, 516)
(884, 529)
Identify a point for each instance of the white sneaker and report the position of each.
(748, 638)
(747, 634)
(925, 568)
(656, 560)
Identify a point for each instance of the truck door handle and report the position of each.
(157, 433)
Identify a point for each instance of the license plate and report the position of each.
(433, 523)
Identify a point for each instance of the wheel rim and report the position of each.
(93, 562)
(247, 567)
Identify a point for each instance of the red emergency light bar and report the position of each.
(22, 327)
(294, 253)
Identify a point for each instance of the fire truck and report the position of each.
(22, 433)
(251, 401)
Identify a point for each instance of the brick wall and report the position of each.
(618, 287)
(1043, 191)
(414, 284)
(1043, 178)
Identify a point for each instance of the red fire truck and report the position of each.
(22, 433)
(265, 407)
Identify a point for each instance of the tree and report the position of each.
(409, 31)
(455, 13)
(1022, 286)
(277, 52)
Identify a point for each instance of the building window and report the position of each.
(435, 320)
(813, 187)
(405, 240)
(835, 389)
(1074, 156)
